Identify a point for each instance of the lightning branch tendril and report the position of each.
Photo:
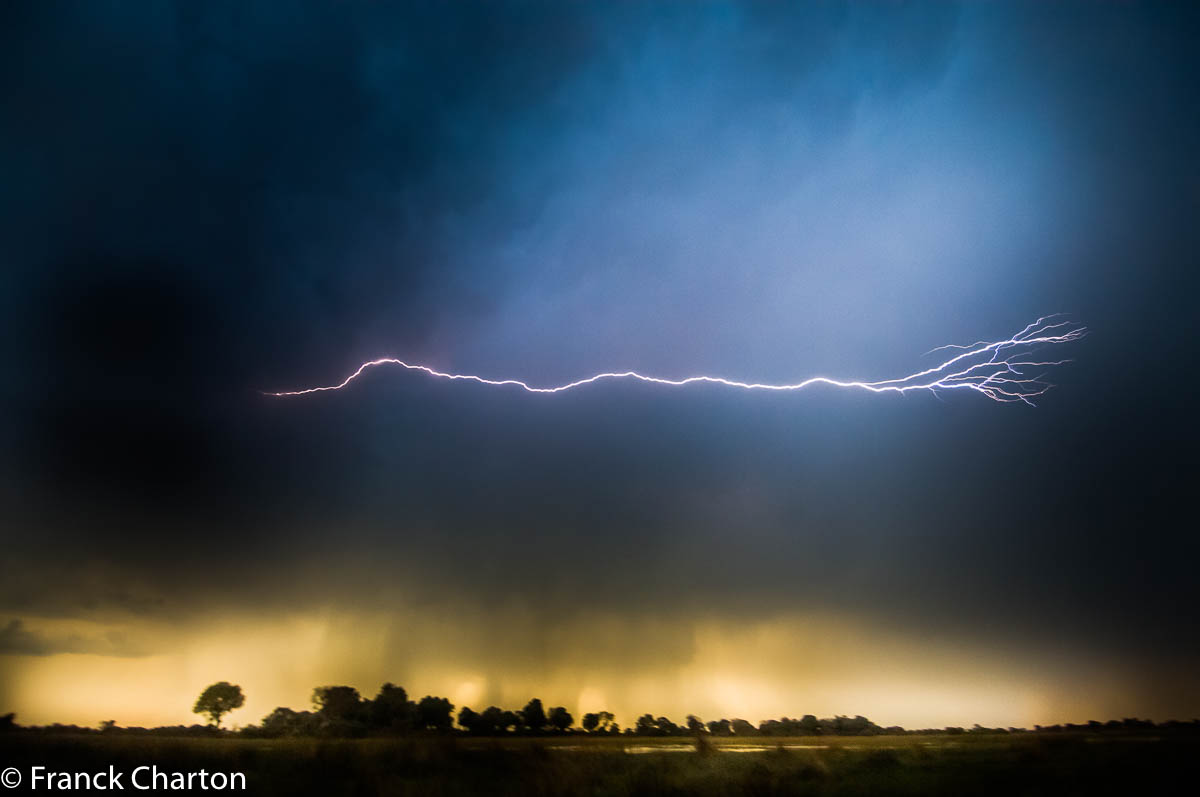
(1004, 370)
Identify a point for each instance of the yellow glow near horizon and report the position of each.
(822, 665)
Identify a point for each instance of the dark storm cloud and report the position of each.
(209, 201)
(207, 204)
(17, 640)
(202, 201)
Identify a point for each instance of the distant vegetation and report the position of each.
(391, 745)
(341, 712)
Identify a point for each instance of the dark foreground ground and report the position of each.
(927, 765)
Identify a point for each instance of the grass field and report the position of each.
(612, 767)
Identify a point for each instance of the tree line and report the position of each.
(342, 712)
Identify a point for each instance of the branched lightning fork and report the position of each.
(1002, 370)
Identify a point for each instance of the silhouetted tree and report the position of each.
(695, 724)
(435, 713)
(493, 720)
(338, 703)
(600, 721)
(392, 709)
(278, 723)
(667, 728)
(839, 725)
(533, 716)
(218, 700)
(719, 727)
(470, 720)
(740, 727)
(559, 719)
(285, 722)
(648, 725)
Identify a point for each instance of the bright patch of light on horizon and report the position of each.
(1003, 370)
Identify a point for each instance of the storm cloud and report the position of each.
(203, 202)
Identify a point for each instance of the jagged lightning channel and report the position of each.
(1003, 370)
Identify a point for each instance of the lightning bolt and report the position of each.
(1000, 370)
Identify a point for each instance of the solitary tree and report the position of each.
(218, 700)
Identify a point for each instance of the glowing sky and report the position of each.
(659, 662)
(204, 201)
